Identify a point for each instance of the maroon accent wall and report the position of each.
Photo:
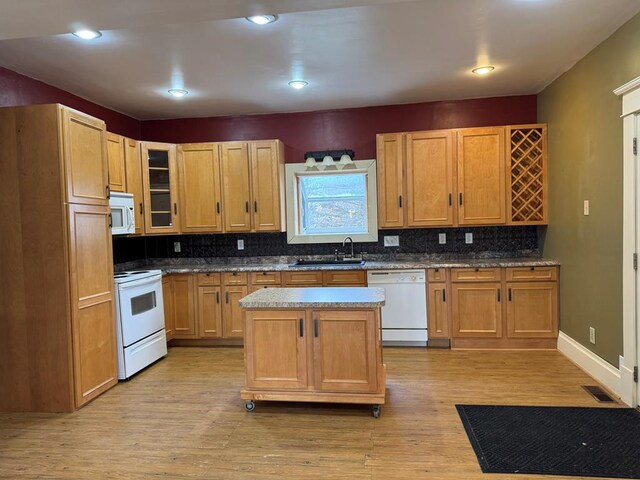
(18, 90)
(353, 128)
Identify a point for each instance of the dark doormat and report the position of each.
(584, 442)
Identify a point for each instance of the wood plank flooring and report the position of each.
(183, 419)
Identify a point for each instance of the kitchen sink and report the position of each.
(348, 261)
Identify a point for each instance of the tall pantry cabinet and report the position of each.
(58, 347)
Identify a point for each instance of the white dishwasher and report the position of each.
(404, 315)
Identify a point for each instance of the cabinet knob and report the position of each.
(533, 268)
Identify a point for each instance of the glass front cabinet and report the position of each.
(160, 187)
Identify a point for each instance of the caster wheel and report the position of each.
(376, 411)
(249, 406)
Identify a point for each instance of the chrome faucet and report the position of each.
(344, 244)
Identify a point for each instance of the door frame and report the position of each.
(630, 94)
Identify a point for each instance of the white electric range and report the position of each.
(141, 335)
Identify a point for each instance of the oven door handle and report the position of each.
(141, 282)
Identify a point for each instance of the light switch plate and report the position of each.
(468, 237)
(585, 207)
(176, 247)
(592, 335)
(391, 241)
(442, 238)
(240, 244)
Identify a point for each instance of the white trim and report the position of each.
(599, 369)
(627, 87)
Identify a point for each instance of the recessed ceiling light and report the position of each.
(298, 84)
(88, 34)
(178, 92)
(483, 70)
(262, 19)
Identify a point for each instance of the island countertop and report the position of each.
(315, 297)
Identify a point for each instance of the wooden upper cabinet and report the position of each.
(115, 156)
(527, 174)
(85, 158)
(159, 178)
(481, 176)
(133, 170)
(200, 196)
(267, 186)
(92, 301)
(390, 180)
(236, 195)
(430, 178)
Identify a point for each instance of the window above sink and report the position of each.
(324, 206)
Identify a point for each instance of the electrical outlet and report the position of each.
(585, 207)
(592, 335)
(468, 237)
(240, 244)
(391, 241)
(176, 247)
(442, 238)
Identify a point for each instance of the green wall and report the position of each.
(585, 163)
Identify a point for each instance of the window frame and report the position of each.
(294, 234)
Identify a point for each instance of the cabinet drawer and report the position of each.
(211, 278)
(516, 274)
(265, 278)
(235, 278)
(475, 275)
(293, 279)
(354, 278)
(435, 275)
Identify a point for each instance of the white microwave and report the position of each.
(123, 221)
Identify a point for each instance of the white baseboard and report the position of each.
(599, 369)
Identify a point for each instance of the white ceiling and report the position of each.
(352, 52)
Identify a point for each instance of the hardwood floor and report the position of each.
(183, 418)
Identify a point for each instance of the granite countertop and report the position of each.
(285, 264)
(315, 297)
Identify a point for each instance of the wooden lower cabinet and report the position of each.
(532, 309)
(184, 306)
(167, 301)
(209, 312)
(515, 307)
(233, 320)
(322, 355)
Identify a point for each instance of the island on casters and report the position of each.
(314, 345)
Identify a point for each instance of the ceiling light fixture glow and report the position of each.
(484, 70)
(298, 84)
(88, 34)
(178, 92)
(262, 19)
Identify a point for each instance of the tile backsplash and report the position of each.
(502, 241)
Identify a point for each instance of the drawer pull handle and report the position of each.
(444, 296)
(477, 269)
(141, 209)
(498, 295)
(509, 294)
(246, 207)
(218, 207)
(315, 327)
(108, 192)
(533, 268)
(400, 201)
(217, 297)
(450, 199)
(175, 208)
(255, 207)
(460, 198)
(227, 295)
(301, 328)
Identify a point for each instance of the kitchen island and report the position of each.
(314, 345)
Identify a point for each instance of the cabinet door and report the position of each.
(344, 350)
(438, 311)
(133, 169)
(476, 309)
(267, 181)
(184, 316)
(85, 158)
(167, 302)
(346, 278)
(92, 306)
(115, 156)
(209, 312)
(302, 279)
(234, 157)
(430, 186)
(159, 181)
(390, 180)
(532, 310)
(275, 349)
(199, 173)
(233, 316)
(481, 176)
